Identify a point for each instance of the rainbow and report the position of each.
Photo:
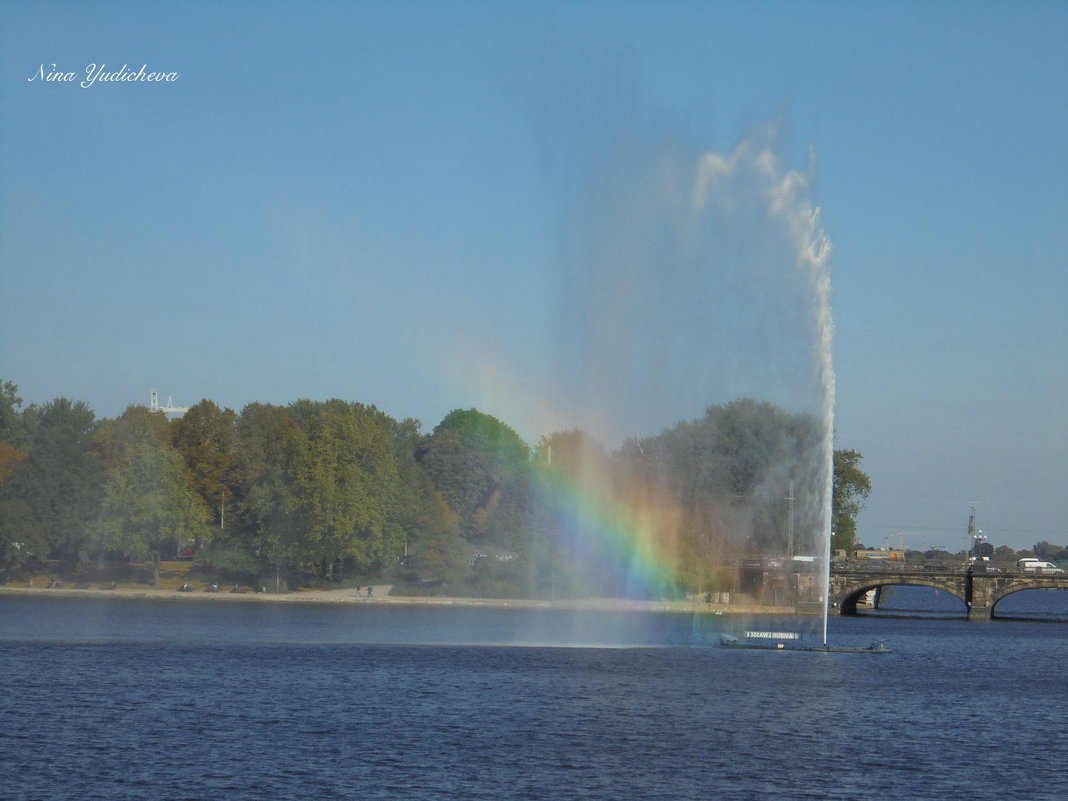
(622, 544)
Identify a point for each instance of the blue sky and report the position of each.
(361, 200)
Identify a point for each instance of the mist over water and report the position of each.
(692, 277)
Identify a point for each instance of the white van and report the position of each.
(1035, 566)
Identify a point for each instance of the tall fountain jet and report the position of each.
(695, 278)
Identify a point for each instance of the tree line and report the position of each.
(316, 492)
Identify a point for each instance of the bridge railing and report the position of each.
(875, 566)
(942, 568)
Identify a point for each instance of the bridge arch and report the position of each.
(1013, 587)
(849, 594)
(979, 591)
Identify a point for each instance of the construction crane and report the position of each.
(900, 537)
(170, 408)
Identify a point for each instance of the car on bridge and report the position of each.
(1035, 565)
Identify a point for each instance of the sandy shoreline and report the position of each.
(347, 596)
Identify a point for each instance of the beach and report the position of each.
(381, 596)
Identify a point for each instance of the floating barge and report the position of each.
(791, 641)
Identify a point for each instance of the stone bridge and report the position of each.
(979, 590)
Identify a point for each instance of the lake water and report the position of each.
(240, 701)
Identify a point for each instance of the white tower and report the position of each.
(170, 408)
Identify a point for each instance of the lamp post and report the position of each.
(970, 541)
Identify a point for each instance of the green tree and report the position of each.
(427, 530)
(482, 469)
(851, 486)
(266, 451)
(148, 503)
(55, 489)
(459, 474)
(204, 436)
(1004, 555)
(136, 425)
(10, 454)
(733, 474)
(10, 402)
(572, 452)
(345, 481)
(22, 538)
(1050, 552)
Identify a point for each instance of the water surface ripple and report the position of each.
(292, 703)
